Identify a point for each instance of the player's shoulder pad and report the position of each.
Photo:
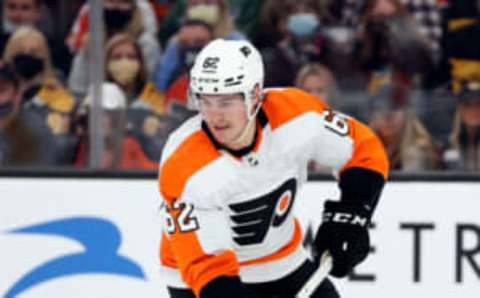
(187, 151)
(284, 104)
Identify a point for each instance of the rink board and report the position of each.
(99, 238)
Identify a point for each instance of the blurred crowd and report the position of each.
(408, 68)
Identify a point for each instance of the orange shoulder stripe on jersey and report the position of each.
(195, 152)
(283, 105)
(368, 151)
(290, 247)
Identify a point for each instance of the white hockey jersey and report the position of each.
(231, 215)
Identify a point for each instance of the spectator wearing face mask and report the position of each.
(79, 30)
(190, 39)
(301, 44)
(18, 13)
(16, 142)
(125, 66)
(213, 12)
(46, 103)
(120, 16)
(150, 115)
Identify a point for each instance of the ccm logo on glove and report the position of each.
(343, 217)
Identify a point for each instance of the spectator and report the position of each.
(123, 16)
(461, 39)
(392, 42)
(190, 39)
(121, 150)
(125, 65)
(318, 80)
(44, 101)
(77, 35)
(408, 144)
(17, 13)
(271, 24)
(240, 14)
(246, 14)
(150, 116)
(426, 13)
(213, 12)
(464, 150)
(16, 143)
(302, 43)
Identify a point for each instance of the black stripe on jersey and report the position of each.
(254, 217)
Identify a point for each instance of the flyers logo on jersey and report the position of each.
(253, 218)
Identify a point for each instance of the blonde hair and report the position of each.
(456, 127)
(14, 47)
(320, 70)
(414, 135)
(313, 69)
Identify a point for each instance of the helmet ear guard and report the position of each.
(227, 67)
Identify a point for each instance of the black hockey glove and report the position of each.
(344, 233)
(227, 286)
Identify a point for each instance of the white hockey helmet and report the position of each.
(225, 67)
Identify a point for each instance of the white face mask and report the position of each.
(208, 13)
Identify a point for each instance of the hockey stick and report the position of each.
(326, 263)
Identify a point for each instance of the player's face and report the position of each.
(225, 116)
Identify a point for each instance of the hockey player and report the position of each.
(230, 175)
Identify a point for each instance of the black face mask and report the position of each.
(6, 109)
(28, 66)
(188, 55)
(117, 19)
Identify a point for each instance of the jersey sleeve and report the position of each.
(340, 142)
(196, 237)
(368, 150)
(358, 156)
(345, 143)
